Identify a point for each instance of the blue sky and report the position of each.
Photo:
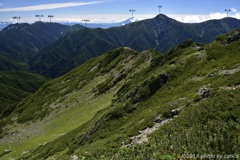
(117, 10)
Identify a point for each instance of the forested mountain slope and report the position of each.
(22, 41)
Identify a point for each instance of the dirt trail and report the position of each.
(142, 137)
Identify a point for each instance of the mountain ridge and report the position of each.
(3, 25)
(160, 33)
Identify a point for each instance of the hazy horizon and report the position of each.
(108, 11)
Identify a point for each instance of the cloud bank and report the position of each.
(202, 18)
(109, 18)
(48, 6)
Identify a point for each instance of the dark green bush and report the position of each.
(221, 38)
(186, 43)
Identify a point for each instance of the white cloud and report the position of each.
(234, 10)
(1, 4)
(49, 6)
(217, 15)
(100, 18)
(189, 18)
(237, 15)
(202, 18)
(109, 18)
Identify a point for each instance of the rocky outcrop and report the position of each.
(233, 37)
(147, 88)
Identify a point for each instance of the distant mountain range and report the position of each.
(23, 41)
(89, 25)
(105, 25)
(160, 33)
(4, 24)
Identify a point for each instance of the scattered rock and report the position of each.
(229, 71)
(142, 137)
(229, 88)
(157, 120)
(203, 92)
(211, 75)
(74, 157)
(195, 78)
(233, 37)
(174, 113)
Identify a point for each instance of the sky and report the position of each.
(105, 11)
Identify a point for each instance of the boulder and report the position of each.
(211, 75)
(174, 113)
(203, 92)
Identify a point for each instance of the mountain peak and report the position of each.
(229, 19)
(130, 20)
(165, 18)
(16, 26)
(162, 16)
(42, 23)
(133, 19)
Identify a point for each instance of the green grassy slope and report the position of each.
(55, 109)
(93, 110)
